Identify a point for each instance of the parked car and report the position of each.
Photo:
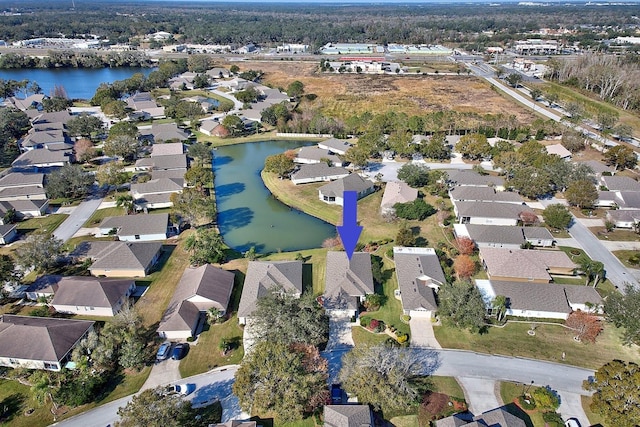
(183, 389)
(164, 351)
(572, 422)
(336, 394)
(179, 351)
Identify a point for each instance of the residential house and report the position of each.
(317, 172)
(264, 276)
(348, 416)
(419, 276)
(144, 107)
(310, 155)
(559, 150)
(498, 417)
(208, 105)
(39, 342)
(484, 194)
(24, 193)
(523, 265)
(504, 236)
(235, 423)
(598, 168)
(176, 175)
(488, 213)
(92, 296)
(334, 145)
(160, 132)
(51, 139)
(332, 193)
(396, 192)
(43, 287)
(213, 128)
(44, 160)
(465, 177)
(607, 199)
(624, 218)
(119, 259)
(31, 102)
(8, 233)
(620, 183)
(130, 228)
(347, 282)
(172, 162)
(218, 73)
(200, 289)
(539, 300)
(39, 117)
(167, 149)
(156, 193)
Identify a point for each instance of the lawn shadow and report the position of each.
(307, 278)
(9, 407)
(238, 282)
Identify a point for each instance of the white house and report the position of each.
(131, 228)
(91, 295)
(332, 193)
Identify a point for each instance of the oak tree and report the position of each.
(616, 387)
(557, 216)
(624, 311)
(462, 303)
(582, 194)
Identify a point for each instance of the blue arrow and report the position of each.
(349, 231)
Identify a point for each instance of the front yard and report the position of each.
(549, 342)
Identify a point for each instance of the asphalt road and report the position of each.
(615, 271)
(210, 386)
(77, 218)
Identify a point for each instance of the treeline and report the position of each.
(613, 78)
(73, 59)
(271, 23)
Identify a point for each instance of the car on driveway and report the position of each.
(164, 351)
(179, 351)
(183, 389)
(336, 394)
(572, 422)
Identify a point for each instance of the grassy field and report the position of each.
(205, 355)
(45, 224)
(617, 235)
(101, 214)
(624, 256)
(549, 342)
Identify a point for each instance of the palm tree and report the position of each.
(598, 271)
(586, 267)
(213, 315)
(500, 305)
(125, 200)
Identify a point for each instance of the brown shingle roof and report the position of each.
(39, 338)
(397, 192)
(523, 263)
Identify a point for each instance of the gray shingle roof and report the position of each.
(624, 215)
(582, 294)
(630, 199)
(160, 185)
(41, 156)
(499, 418)
(181, 316)
(532, 233)
(533, 296)
(316, 170)
(490, 210)
(262, 276)
(484, 194)
(417, 269)
(118, 255)
(39, 338)
(346, 279)
(317, 154)
(167, 149)
(469, 177)
(336, 145)
(347, 416)
(620, 183)
(30, 191)
(503, 234)
(597, 167)
(22, 206)
(129, 225)
(90, 291)
(353, 182)
(20, 179)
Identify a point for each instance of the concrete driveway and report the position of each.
(571, 407)
(422, 333)
(480, 394)
(163, 372)
(77, 218)
(339, 332)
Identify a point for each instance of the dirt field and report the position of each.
(342, 95)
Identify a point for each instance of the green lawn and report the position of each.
(205, 355)
(46, 224)
(510, 391)
(625, 255)
(101, 214)
(17, 398)
(617, 235)
(448, 386)
(549, 342)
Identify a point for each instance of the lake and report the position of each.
(80, 83)
(248, 215)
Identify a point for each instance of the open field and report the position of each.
(617, 235)
(343, 95)
(101, 214)
(549, 342)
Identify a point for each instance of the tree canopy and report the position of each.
(621, 157)
(416, 210)
(287, 381)
(194, 207)
(462, 303)
(151, 408)
(616, 387)
(280, 164)
(205, 246)
(581, 193)
(557, 216)
(414, 175)
(70, 181)
(39, 251)
(281, 317)
(388, 378)
(624, 311)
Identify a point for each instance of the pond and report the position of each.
(79, 83)
(248, 215)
